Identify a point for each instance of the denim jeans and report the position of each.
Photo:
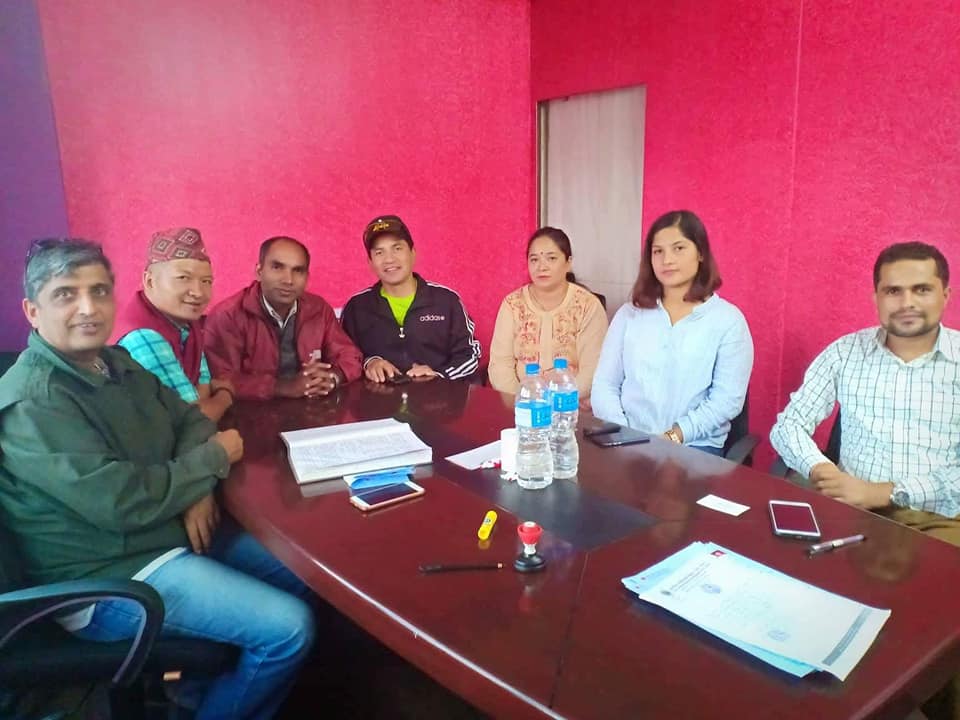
(237, 594)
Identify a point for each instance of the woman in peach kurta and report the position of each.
(550, 317)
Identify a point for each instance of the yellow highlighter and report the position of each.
(486, 527)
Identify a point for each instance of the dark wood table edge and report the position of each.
(495, 696)
(898, 701)
(393, 630)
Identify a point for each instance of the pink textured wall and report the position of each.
(249, 119)
(878, 159)
(808, 134)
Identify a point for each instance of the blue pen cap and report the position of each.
(560, 364)
(533, 368)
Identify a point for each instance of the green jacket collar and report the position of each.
(113, 358)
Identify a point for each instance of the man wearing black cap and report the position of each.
(404, 324)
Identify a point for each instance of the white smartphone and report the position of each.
(376, 498)
(793, 519)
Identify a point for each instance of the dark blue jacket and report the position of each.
(436, 331)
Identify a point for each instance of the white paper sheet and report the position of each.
(723, 505)
(472, 459)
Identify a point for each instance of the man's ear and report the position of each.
(147, 279)
(30, 311)
(257, 270)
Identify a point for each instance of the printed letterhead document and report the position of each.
(353, 448)
(652, 576)
(757, 607)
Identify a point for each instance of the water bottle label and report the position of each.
(521, 416)
(566, 401)
(532, 415)
(541, 415)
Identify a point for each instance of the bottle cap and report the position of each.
(533, 368)
(560, 363)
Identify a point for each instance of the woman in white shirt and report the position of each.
(677, 359)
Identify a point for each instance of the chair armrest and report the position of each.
(779, 468)
(22, 608)
(742, 449)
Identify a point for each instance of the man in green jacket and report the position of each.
(105, 472)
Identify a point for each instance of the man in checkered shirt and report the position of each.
(162, 328)
(898, 387)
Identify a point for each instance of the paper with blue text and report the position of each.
(788, 623)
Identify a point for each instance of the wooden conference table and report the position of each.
(571, 641)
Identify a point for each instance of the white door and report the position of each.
(591, 184)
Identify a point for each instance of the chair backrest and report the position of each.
(7, 359)
(832, 450)
(11, 566)
(739, 426)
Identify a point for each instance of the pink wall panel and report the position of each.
(721, 78)
(808, 134)
(878, 159)
(248, 119)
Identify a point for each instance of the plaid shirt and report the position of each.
(900, 421)
(154, 353)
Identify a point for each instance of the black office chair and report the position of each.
(7, 359)
(832, 451)
(480, 377)
(36, 653)
(740, 442)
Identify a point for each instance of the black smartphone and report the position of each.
(623, 436)
(400, 379)
(604, 428)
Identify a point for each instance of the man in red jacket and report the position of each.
(273, 339)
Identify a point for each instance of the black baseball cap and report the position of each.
(385, 225)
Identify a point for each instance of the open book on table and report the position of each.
(331, 452)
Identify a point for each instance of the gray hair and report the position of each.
(55, 257)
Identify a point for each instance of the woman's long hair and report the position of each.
(647, 289)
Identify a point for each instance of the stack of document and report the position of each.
(787, 623)
(353, 448)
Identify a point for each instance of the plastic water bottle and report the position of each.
(566, 410)
(532, 413)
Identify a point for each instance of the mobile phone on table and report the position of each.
(622, 436)
(603, 428)
(793, 519)
(399, 379)
(376, 498)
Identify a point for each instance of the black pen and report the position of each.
(455, 567)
